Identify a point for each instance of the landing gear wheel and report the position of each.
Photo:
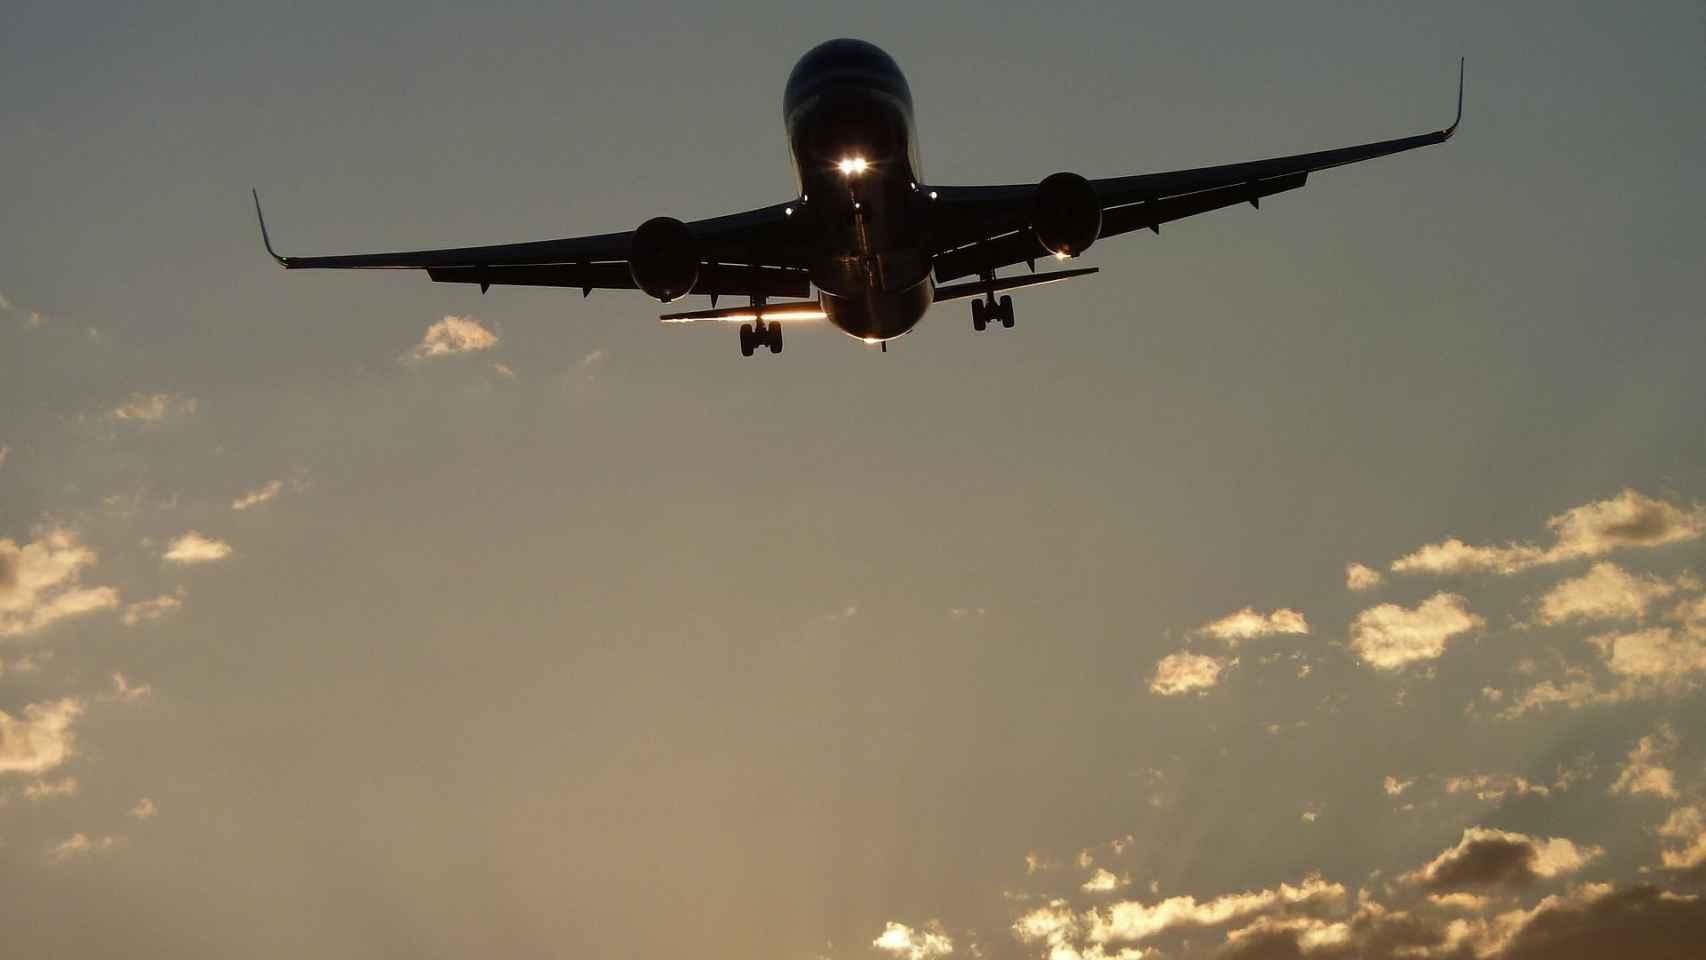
(748, 342)
(979, 319)
(773, 337)
(1007, 312)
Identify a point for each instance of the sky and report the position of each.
(1320, 581)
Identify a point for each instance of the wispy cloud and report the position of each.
(80, 845)
(145, 809)
(1388, 637)
(453, 335)
(47, 790)
(1629, 519)
(40, 583)
(192, 547)
(1685, 826)
(144, 611)
(259, 495)
(154, 407)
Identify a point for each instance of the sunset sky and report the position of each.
(1327, 580)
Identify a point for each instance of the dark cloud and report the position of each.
(1642, 921)
(1489, 862)
(1494, 858)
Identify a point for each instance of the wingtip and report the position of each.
(266, 241)
(1459, 117)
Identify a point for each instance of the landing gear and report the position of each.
(984, 311)
(767, 335)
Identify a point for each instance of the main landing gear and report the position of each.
(767, 335)
(985, 311)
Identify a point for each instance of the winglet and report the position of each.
(1448, 131)
(265, 240)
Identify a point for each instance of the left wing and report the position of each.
(749, 253)
(978, 229)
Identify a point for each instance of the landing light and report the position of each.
(852, 166)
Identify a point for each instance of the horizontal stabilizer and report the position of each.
(794, 310)
(977, 288)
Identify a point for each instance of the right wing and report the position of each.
(749, 253)
(982, 228)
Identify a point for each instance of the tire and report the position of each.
(1007, 312)
(978, 319)
(746, 340)
(774, 338)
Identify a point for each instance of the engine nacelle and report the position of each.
(1067, 214)
(663, 259)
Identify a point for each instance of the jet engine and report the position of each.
(663, 259)
(1067, 214)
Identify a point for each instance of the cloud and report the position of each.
(5, 304)
(1247, 624)
(1605, 592)
(1186, 672)
(1658, 656)
(43, 790)
(1104, 881)
(903, 941)
(1487, 858)
(40, 583)
(154, 407)
(79, 845)
(144, 611)
(126, 692)
(41, 739)
(192, 547)
(1591, 530)
(1687, 826)
(1388, 637)
(1395, 787)
(1133, 920)
(144, 809)
(504, 370)
(454, 335)
(1645, 772)
(258, 496)
(1359, 577)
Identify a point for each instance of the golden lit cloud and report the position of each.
(40, 583)
(1248, 624)
(902, 941)
(1186, 672)
(1605, 592)
(144, 809)
(1388, 637)
(1134, 920)
(1687, 826)
(41, 739)
(1591, 530)
(1103, 881)
(80, 845)
(1660, 656)
(1645, 771)
(1359, 577)
(44, 790)
(192, 547)
(454, 335)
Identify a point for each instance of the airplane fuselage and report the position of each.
(848, 112)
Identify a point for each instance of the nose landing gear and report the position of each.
(766, 335)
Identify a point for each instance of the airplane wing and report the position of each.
(978, 229)
(749, 253)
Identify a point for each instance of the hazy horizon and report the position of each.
(1322, 580)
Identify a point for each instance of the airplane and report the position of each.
(878, 242)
